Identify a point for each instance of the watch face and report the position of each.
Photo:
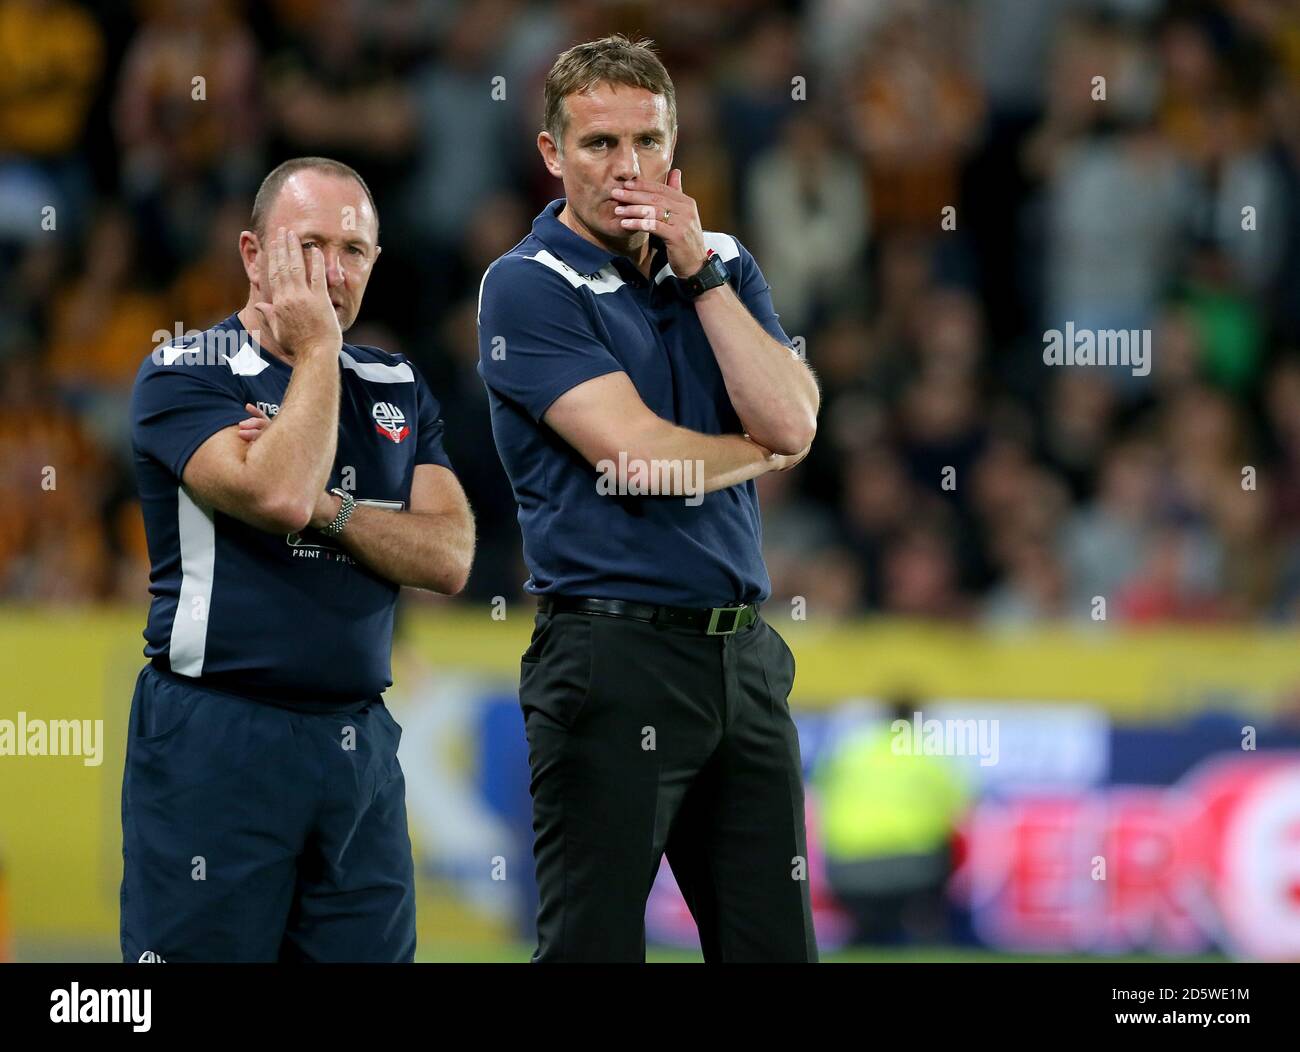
(714, 274)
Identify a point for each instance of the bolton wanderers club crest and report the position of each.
(390, 421)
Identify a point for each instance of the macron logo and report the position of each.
(76, 1005)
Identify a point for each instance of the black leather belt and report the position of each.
(716, 621)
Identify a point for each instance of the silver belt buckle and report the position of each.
(715, 618)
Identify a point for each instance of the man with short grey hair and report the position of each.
(291, 483)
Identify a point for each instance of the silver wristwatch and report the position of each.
(345, 513)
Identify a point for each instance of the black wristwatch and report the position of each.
(710, 276)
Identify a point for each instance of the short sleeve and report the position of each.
(536, 338)
(430, 426)
(756, 294)
(176, 408)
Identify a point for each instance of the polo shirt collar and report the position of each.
(584, 256)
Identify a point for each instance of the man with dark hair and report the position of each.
(291, 483)
(633, 359)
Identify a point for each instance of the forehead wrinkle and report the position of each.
(306, 207)
(608, 108)
(613, 132)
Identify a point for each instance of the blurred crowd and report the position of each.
(929, 186)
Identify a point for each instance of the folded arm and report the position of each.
(605, 417)
(430, 545)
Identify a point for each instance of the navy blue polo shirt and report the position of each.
(558, 310)
(293, 618)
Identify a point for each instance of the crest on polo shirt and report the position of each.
(390, 421)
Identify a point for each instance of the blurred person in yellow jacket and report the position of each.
(53, 58)
(53, 63)
(888, 814)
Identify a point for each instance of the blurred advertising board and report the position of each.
(1128, 749)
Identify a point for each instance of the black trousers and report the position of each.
(645, 740)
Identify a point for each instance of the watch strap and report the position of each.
(710, 276)
(344, 513)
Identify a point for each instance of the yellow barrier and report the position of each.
(1135, 674)
(6, 932)
(1148, 674)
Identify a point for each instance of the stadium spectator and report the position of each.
(188, 120)
(807, 184)
(53, 63)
